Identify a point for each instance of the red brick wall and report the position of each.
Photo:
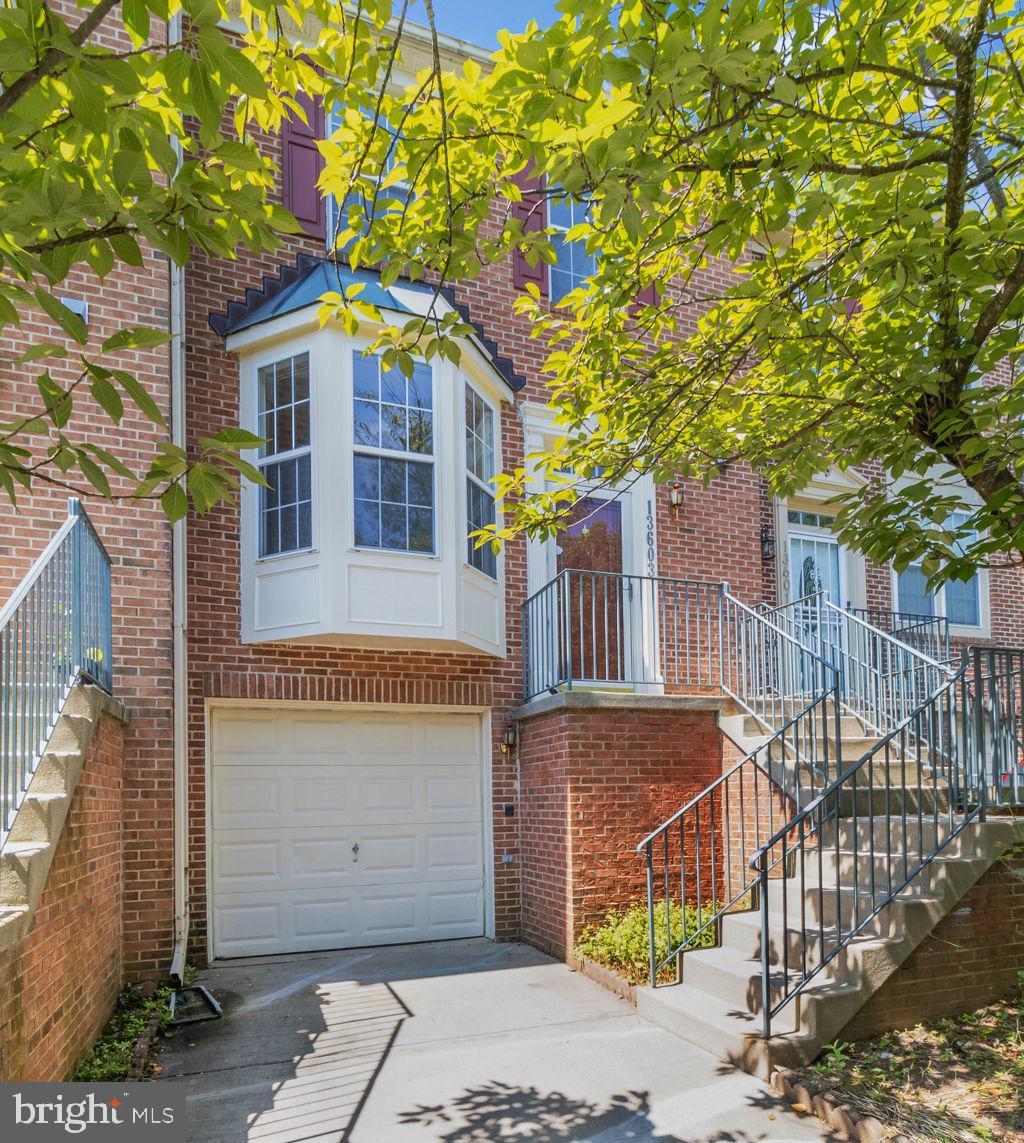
(971, 959)
(594, 782)
(137, 537)
(59, 984)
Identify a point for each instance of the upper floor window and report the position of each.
(393, 433)
(479, 471)
(574, 264)
(958, 600)
(285, 462)
(393, 197)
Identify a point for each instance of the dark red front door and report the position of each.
(590, 553)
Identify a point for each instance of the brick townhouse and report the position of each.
(342, 725)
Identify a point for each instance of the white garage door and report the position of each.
(336, 830)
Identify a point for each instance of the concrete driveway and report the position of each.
(459, 1041)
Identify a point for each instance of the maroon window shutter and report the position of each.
(533, 212)
(302, 164)
(646, 296)
(852, 307)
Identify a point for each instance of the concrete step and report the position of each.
(881, 829)
(57, 771)
(23, 869)
(40, 815)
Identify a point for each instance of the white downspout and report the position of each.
(179, 607)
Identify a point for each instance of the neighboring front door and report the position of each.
(816, 565)
(596, 596)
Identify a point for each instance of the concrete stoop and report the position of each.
(29, 848)
(717, 1005)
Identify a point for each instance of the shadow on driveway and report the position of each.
(459, 1041)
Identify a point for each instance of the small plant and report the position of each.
(621, 941)
(836, 1054)
(110, 1058)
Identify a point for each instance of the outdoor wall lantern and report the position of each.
(509, 738)
(767, 544)
(675, 498)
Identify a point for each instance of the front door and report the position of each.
(816, 565)
(595, 594)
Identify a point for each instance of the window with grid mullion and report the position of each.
(480, 499)
(285, 460)
(393, 457)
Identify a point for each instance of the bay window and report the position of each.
(285, 457)
(393, 434)
(479, 471)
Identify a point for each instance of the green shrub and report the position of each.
(622, 941)
(110, 1058)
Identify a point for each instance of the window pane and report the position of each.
(367, 478)
(392, 387)
(481, 513)
(913, 593)
(367, 423)
(394, 432)
(394, 527)
(421, 530)
(420, 386)
(421, 484)
(368, 523)
(963, 602)
(392, 481)
(421, 431)
(283, 400)
(365, 379)
(394, 504)
(286, 506)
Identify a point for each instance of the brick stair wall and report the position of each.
(61, 980)
(971, 959)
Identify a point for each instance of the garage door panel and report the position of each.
(310, 919)
(292, 793)
(284, 860)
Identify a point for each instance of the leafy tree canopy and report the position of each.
(116, 139)
(860, 163)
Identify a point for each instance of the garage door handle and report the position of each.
(355, 851)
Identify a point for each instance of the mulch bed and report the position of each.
(956, 1079)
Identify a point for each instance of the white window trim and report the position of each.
(481, 484)
(272, 356)
(395, 454)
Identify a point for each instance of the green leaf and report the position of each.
(67, 319)
(135, 337)
(139, 394)
(174, 503)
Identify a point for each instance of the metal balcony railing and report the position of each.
(610, 629)
(54, 629)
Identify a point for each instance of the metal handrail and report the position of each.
(690, 859)
(903, 625)
(55, 628)
(841, 904)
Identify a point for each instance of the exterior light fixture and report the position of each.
(767, 544)
(509, 738)
(675, 498)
